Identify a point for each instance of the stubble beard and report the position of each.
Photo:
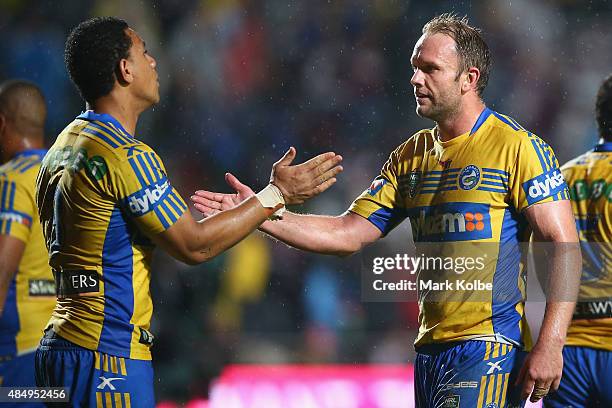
(440, 112)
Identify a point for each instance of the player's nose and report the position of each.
(152, 61)
(417, 78)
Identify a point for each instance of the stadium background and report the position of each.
(243, 80)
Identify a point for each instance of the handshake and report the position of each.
(289, 184)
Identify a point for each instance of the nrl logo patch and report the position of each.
(451, 401)
(414, 179)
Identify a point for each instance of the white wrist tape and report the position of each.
(271, 197)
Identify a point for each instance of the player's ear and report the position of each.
(124, 72)
(470, 80)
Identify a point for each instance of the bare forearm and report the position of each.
(7, 272)
(11, 251)
(564, 270)
(222, 231)
(5, 280)
(314, 233)
(195, 242)
(557, 318)
(559, 265)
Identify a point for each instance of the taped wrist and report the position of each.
(271, 197)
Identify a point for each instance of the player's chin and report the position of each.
(155, 98)
(422, 111)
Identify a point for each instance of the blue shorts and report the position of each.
(475, 374)
(94, 379)
(586, 381)
(18, 371)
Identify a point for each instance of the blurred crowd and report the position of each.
(241, 81)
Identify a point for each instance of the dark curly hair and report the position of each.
(603, 109)
(93, 51)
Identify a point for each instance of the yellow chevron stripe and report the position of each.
(113, 364)
(126, 397)
(498, 388)
(496, 350)
(99, 400)
(118, 403)
(483, 382)
(490, 387)
(502, 404)
(108, 400)
(104, 363)
(122, 366)
(96, 360)
(487, 350)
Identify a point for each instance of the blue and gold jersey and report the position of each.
(590, 181)
(31, 294)
(471, 190)
(101, 193)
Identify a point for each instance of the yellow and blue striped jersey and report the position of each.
(589, 177)
(469, 194)
(101, 194)
(31, 294)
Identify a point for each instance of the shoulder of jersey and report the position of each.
(580, 161)
(508, 132)
(21, 166)
(421, 140)
(505, 129)
(113, 140)
(588, 160)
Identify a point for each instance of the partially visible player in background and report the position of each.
(587, 375)
(105, 201)
(27, 290)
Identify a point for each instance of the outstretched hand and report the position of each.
(297, 183)
(210, 203)
(300, 182)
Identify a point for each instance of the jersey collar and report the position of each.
(482, 118)
(484, 115)
(604, 147)
(103, 117)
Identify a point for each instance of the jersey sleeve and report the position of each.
(537, 177)
(17, 208)
(144, 192)
(382, 203)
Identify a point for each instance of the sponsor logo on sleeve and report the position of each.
(376, 185)
(544, 186)
(147, 199)
(17, 217)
